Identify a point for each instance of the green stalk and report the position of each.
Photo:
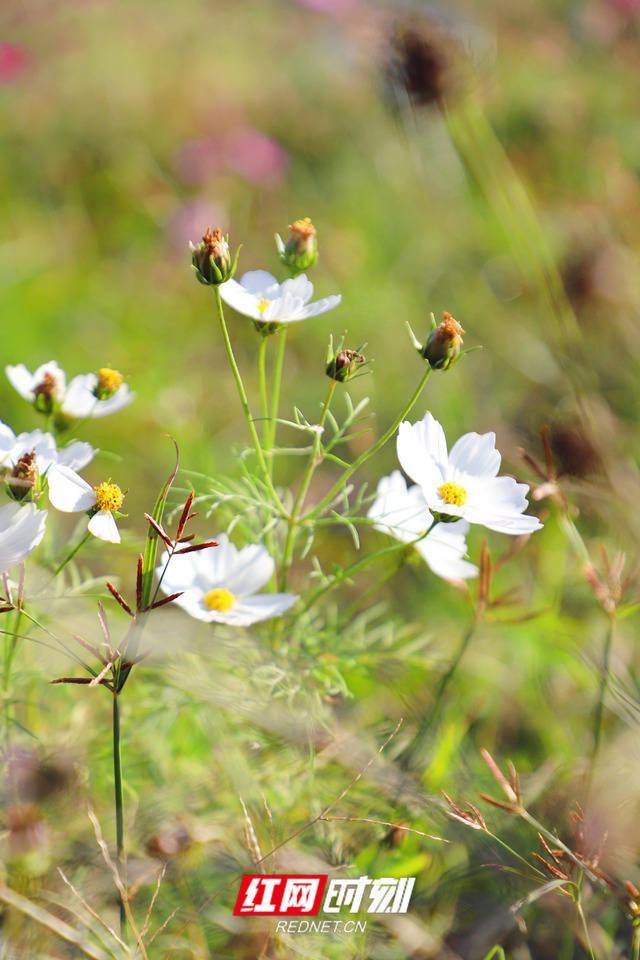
(314, 459)
(421, 737)
(264, 406)
(378, 445)
(602, 692)
(275, 393)
(71, 554)
(10, 645)
(245, 402)
(117, 783)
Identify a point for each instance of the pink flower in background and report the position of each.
(188, 222)
(625, 7)
(329, 6)
(13, 61)
(244, 151)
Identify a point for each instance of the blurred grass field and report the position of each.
(126, 130)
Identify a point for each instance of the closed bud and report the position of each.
(211, 258)
(344, 364)
(24, 476)
(443, 343)
(300, 252)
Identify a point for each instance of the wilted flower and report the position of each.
(343, 364)
(402, 513)
(69, 493)
(211, 258)
(21, 530)
(221, 585)
(87, 395)
(259, 295)
(465, 482)
(300, 252)
(13, 447)
(420, 62)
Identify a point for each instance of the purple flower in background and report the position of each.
(13, 62)
(244, 151)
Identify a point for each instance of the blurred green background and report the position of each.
(494, 176)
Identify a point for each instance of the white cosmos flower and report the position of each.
(69, 493)
(87, 395)
(259, 295)
(21, 530)
(75, 455)
(402, 513)
(221, 584)
(463, 483)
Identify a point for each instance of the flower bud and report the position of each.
(24, 476)
(344, 364)
(443, 343)
(211, 258)
(300, 252)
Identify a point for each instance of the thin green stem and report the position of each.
(275, 393)
(11, 642)
(428, 721)
(602, 692)
(264, 405)
(71, 554)
(244, 401)
(585, 927)
(298, 505)
(342, 481)
(117, 783)
(635, 943)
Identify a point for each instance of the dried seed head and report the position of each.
(420, 62)
(24, 476)
(46, 393)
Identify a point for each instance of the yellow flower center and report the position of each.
(263, 304)
(219, 599)
(109, 380)
(109, 496)
(453, 493)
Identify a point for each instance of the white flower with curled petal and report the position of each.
(221, 585)
(259, 295)
(69, 493)
(87, 395)
(402, 513)
(463, 483)
(21, 530)
(75, 455)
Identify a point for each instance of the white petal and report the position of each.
(476, 454)
(247, 611)
(260, 283)
(299, 287)
(120, 399)
(7, 443)
(21, 380)
(38, 442)
(76, 455)
(239, 299)
(251, 569)
(21, 530)
(422, 452)
(68, 492)
(398, 511)
(103, 526)
(321, 306)
(444, 550)
(80, 399)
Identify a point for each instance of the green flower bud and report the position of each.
(211, 258)
(300, 252)
(443, 344)
(344, 364)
